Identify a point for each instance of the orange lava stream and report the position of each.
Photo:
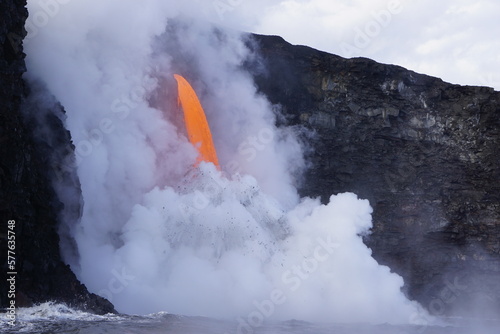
(196, 122)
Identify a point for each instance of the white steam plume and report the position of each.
(156, 235)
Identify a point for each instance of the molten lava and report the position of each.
(196, 123)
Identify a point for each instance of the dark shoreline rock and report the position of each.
(27, 195)
(426, 154)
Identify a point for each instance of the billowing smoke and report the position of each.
(157, 234)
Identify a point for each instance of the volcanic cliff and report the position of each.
(27, 194)
(426, 154)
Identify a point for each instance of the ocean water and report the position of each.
(57, 318)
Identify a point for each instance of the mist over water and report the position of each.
(57, 318)
(157, 234)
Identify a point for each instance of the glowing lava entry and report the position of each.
(196, 122)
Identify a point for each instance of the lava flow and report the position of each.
(196, 123)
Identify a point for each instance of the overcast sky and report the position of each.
(456, 40)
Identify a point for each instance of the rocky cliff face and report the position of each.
(33, 142)
(424, 152)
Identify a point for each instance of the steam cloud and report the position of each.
(156, 235)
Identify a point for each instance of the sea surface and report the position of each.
(56, 318)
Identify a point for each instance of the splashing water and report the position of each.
(57, 318)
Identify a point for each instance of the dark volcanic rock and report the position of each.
(26, 192)
(425, 153)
